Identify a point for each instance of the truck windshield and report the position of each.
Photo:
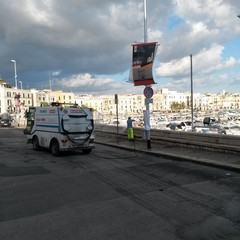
(74, 124)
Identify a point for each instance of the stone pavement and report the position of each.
(226, 161)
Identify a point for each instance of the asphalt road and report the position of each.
(112, 194)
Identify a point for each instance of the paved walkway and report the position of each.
(226, 161)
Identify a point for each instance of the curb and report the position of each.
(186, 158)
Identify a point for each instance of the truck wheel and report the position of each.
(36, 145)
(54, 147)
(86, 151)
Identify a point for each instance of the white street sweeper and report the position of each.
(60, 127)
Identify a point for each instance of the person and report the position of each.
(130, 129)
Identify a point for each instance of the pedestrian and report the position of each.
(130, 129)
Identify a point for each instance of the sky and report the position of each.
(85, 46)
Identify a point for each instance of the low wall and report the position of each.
(212, 142)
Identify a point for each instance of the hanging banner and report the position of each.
(142, 63)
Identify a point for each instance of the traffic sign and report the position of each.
(148, 92)
(148, 100)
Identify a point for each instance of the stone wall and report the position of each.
(212, 142)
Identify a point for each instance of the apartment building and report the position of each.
(15, 101)
(134, 104)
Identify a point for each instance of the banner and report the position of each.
(142, 63)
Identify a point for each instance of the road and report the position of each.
(112, 194)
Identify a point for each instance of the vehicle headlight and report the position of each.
(89, 127)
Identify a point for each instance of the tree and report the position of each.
(175, 106)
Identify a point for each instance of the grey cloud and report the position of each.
(78, 37)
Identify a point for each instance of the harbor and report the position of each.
(212, 122)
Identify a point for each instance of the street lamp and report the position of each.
(20, 84)
(15, 71)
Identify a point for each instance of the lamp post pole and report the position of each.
(145, 21)
(191, 90)
(147, 112)
(15, 71)
(20, 84)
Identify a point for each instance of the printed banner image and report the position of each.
(142, 64)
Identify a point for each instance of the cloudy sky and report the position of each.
(84, 46)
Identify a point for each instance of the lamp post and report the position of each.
(15, 71)
(145, 20)
(20, 84)
(191, 90)
(147, 112)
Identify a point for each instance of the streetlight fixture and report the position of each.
(20, 84)
(15, 71)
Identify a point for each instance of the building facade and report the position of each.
(16, 101)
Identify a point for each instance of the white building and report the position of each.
(16, 101)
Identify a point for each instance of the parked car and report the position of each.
(183, 126)
(5, 122)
